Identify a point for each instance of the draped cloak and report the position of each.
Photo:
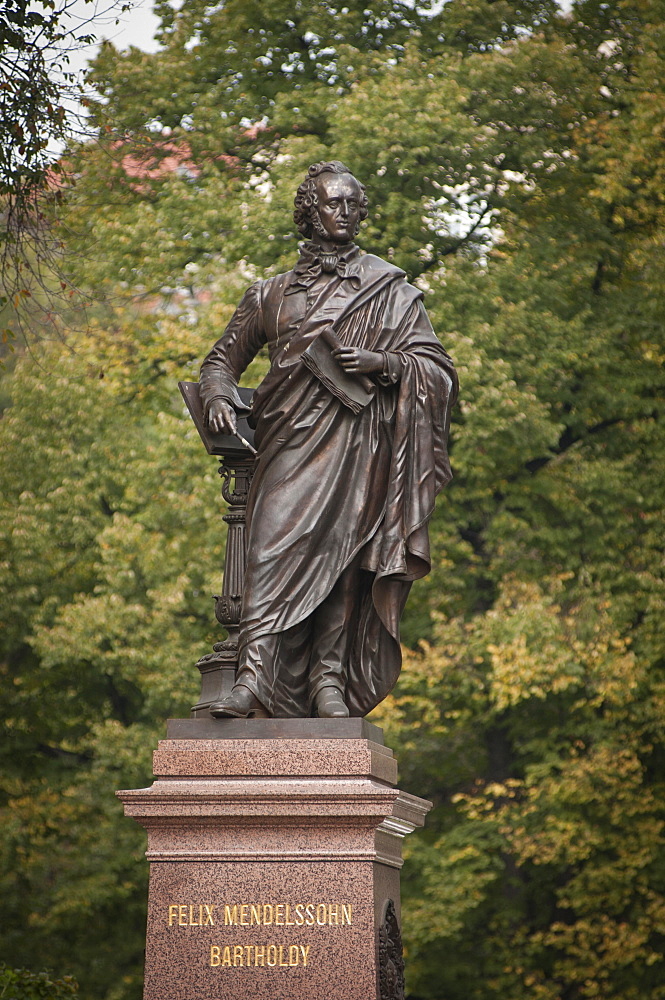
(330, 484)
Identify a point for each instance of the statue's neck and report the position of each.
(318, 245)
(328, 246)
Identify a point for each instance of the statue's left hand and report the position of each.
(355, 361)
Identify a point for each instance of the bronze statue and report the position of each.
(351, 425)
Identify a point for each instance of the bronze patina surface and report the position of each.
(350, 426)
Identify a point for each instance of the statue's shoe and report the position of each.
(330, 704)
(240, 704)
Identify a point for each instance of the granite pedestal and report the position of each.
(275, 850)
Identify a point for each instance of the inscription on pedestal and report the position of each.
(274, 864)
(244, 954)
(222, 930)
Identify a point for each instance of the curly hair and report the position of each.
(306, 200)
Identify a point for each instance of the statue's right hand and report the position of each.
(221, 417)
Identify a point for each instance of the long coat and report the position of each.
(330, 483)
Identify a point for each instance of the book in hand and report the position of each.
(219, 444)
(355, 391)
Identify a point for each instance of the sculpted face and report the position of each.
(339, 206)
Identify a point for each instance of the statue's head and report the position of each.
(330, 203)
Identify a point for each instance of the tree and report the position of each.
(93, 553)
(514, 163)
(41, 109)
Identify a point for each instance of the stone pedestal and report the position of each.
(274, 849)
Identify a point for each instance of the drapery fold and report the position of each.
(331, 484)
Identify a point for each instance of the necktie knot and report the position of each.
(314, 261)
(330, 263)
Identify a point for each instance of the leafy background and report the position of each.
(514, 159)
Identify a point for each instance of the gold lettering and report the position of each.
(279, 914)
(240, 955)
(192, 922)
(288, 921)
(209, 917)
(182, 916)
(230, 915)
(346, 914)
(173, 911)
(243, 914)
(321, 911)
(300, 916)
(333, 913)
(309, 911)
(255, 915)
(267, 907)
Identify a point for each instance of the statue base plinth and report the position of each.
(275, 850)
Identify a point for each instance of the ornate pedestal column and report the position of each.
(218, 668)
(236, 469)
(274, 849)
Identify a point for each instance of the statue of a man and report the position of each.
(351, 425)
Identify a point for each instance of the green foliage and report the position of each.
(21, 984)
(514, 162)
(41, 97)
(35, 83)
(108, 509)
